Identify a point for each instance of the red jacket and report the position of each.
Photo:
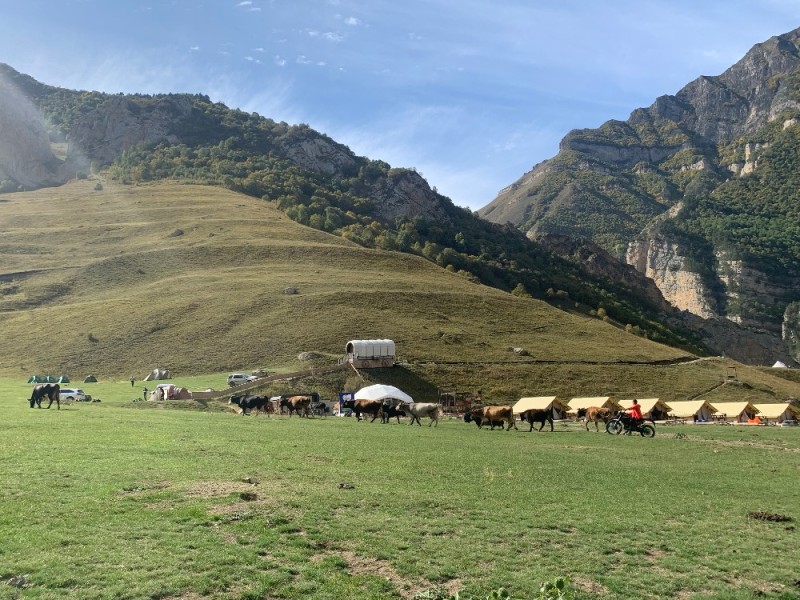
(636, 411)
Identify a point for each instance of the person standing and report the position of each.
(133, 380)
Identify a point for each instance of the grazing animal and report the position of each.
(299, 404)
(491, 415)
(534, 415)
(415, 410)
(369, 407)
(51, 390)
(248, 403)
(392, 409)
(596, 414)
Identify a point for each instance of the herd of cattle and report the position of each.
(304, 405)
(493, 416)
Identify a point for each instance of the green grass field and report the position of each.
(125, 500)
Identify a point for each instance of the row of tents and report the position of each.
(61, 379)
(697, 411)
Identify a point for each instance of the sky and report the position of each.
(470, 93)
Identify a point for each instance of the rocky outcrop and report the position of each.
(320, 155)
(122, 122)
(663, 262)
(720, 335)
(406, 194)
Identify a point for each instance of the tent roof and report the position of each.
(577, 403)
(539, 403)
(775, 410)
(779, 365)
(382, 392)
(647, 404)
(688, 408)
(734, 408)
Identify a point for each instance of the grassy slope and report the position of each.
(112, 292)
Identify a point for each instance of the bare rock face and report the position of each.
(406, 194)
(662, 261)
(320, 155)
(122, 122)
(25, 153)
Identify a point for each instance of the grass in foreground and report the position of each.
(102, 501)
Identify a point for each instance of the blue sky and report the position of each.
(471, 93)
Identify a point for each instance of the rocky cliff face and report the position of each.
(721, 335)
(663, 262)
(121, 122)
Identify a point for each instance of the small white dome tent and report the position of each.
(370, 353)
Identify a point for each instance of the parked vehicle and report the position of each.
(239, 378)
(622, 421)
(72, 394)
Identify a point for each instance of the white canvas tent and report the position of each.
(559, 408)
(735, 412)
(779, 365)
(601, 401)
(382, 392)
(700, 411)
(778, 412)
(652, 408)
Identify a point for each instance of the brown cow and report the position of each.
(369, 407)
(298, 404)
(596, 414)
(492, 414)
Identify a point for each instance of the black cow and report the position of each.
(533, 415)
(51, 390)
(248, 403)
(391, 409)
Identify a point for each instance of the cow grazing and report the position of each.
(299, 404)
(533, 415)
(362, 407)
(491, 415)
(415, 410)
(596, 414)
(49, 390)
(249, 403)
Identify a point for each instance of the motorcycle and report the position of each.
(622, 421)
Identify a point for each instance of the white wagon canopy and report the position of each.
(370, 353)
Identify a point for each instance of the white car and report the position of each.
(238, 378)
(72, 394)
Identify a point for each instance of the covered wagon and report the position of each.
(370, 354)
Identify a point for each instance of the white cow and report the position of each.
(415, 410)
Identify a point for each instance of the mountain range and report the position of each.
(678, 225)
(698, 192)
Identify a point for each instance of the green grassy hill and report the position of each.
(124, 279)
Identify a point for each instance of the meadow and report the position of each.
(135, 500)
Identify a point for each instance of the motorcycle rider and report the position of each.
(636, 414)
